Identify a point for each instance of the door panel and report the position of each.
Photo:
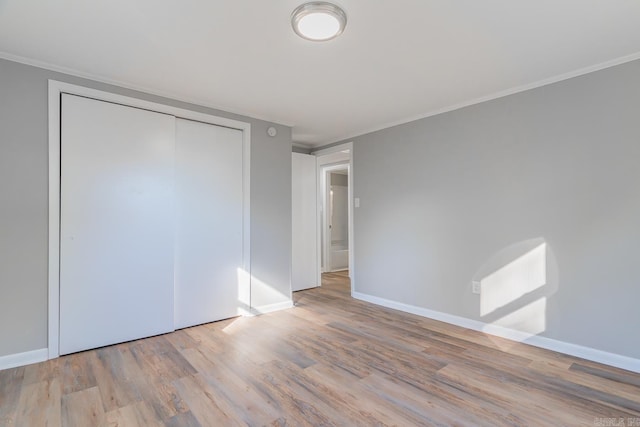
(304, 262)
(209, 219)
(117, 223)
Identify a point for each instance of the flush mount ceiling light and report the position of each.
(318, 21)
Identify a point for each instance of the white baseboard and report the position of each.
(21, 359)
(268, 308)
(588, 353)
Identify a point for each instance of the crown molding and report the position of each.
(501, 94)
(137, 88)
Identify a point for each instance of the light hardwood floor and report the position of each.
(331, 360)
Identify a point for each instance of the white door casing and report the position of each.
(331, 156)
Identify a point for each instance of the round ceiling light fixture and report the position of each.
(318, 21)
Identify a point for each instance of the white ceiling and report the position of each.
(396, 61)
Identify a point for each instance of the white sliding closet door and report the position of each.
(117, 223)
(209, 240)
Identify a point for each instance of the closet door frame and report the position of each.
(56, 89)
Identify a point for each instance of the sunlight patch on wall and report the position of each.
(516, 279)
(530, 319)
(252, 290)
(244, 292)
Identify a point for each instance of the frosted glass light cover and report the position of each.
(318, 21)
(319, 26)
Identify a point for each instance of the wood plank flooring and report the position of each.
(331, 360)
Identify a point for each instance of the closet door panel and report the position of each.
(209, 210)
(117, 223)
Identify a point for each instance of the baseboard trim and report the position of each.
(268, 308)
(588, 353)
(22, 359)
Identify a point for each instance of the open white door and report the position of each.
(304, 262)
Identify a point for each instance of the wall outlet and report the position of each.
(357, 202)
(475, 287)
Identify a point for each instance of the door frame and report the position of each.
(326, 208)
(320, 166)
(56, 89)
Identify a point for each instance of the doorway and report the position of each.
(336, 220)
(335, 210)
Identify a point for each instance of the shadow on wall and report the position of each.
(516, 284)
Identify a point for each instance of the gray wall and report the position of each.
(24, 203)
(448, 198)
(339, 179)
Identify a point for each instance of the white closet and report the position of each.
(151, 226)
